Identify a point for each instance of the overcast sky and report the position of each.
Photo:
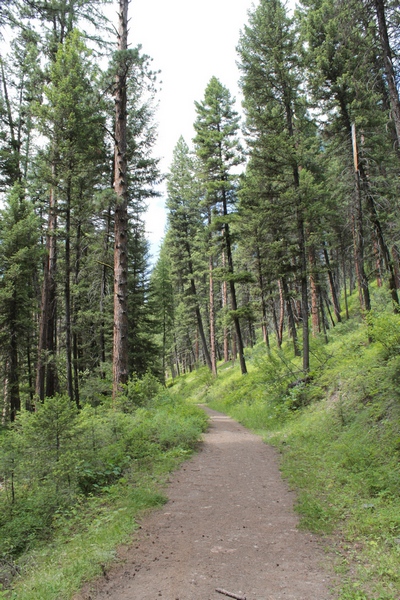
(189, 41)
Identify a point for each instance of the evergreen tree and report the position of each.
(19, 254)
(276, 125)
(219, 151)
(164, 303)
(345, 75)
(73, 117)
(185, 224)
(21, 85)
(120, 344)
(133, 140)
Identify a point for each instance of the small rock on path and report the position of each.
(229, 523)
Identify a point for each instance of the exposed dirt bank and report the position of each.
(229, 524)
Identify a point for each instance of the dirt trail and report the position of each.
(229, 523)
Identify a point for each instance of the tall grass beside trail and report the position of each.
(339, 436)
(73, 484)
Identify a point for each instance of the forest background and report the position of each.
(275, 226)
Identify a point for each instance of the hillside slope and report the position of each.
(339, 435)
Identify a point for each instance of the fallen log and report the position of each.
(230, 594)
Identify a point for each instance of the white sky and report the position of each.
(189, 41)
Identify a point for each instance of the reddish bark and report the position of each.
(120, 340)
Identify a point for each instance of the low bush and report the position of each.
(58, 458)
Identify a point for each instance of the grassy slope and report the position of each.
(339, 437)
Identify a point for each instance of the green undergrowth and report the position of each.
(339, 436)
(74, 482)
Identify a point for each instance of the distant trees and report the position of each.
(185, 223)
(19, 262)
(313, 216)
(217, 146)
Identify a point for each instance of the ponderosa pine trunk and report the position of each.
(225, 306)
(314, 292)
(301, 238)
(264, 324)
(279, 330)
(212, 319)
(75, 345)
(120, 337)
(67, 291)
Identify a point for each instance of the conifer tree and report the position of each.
(72, 114)
(185, 225)
(120, 344)
(19, 255)
(162, 287)
(276, 125)
(219, 151)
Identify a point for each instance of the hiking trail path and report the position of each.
(228, 524)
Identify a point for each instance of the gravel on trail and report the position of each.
(229, 524)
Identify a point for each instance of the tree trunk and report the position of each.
(120, 338)
(46, 377)
(332, 286)
(292, 324)
(29, 399)
(212, 320)
(396, 265)
(264, 323)
(304, 289)
(234, 347)
(227, 239)
(67, 291)
(346, 303)
(225, 306)
(75, 344)
(279, 333)
(358, 233)
(315, 323)
(301, 239)
(323, 319)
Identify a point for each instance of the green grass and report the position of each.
(82, 552)
(339, 437)
(108, 489)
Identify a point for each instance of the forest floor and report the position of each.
(229, 524)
